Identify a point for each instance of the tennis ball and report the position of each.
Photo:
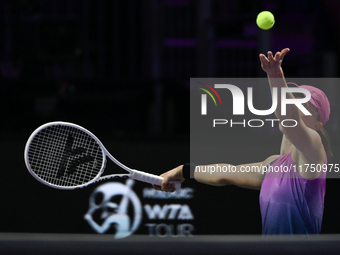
(265, 20)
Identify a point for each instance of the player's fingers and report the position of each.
(263, 57)
(270, 56)
(169, 187)
(156, 187)
(271, 59)
(264, 60)
(173, 189)
(284, 52)
(165, 182)
(277, 56)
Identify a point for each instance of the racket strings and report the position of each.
(65, 156)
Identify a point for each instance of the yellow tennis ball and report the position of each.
(265, 20)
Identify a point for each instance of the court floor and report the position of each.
(24, 243)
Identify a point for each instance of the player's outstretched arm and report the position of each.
(246, 175)
(304, 138)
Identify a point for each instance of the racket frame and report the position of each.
(135, 174)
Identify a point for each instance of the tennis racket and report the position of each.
(67, 156)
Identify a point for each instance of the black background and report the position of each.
(121, 69)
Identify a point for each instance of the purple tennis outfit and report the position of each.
(291, 204)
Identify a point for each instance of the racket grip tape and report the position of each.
(151, 178)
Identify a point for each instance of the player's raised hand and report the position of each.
(175, 174)
(272, 64)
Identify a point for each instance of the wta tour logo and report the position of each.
(114, 208)
(238, 104)
(109, 209)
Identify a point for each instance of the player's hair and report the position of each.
(326, 143)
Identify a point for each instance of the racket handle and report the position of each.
(151, 178)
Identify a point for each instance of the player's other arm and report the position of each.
(238, 175)
(248, 176)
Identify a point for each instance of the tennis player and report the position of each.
(291, 202)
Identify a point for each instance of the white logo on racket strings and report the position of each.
(72, 158)
(113, 214)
